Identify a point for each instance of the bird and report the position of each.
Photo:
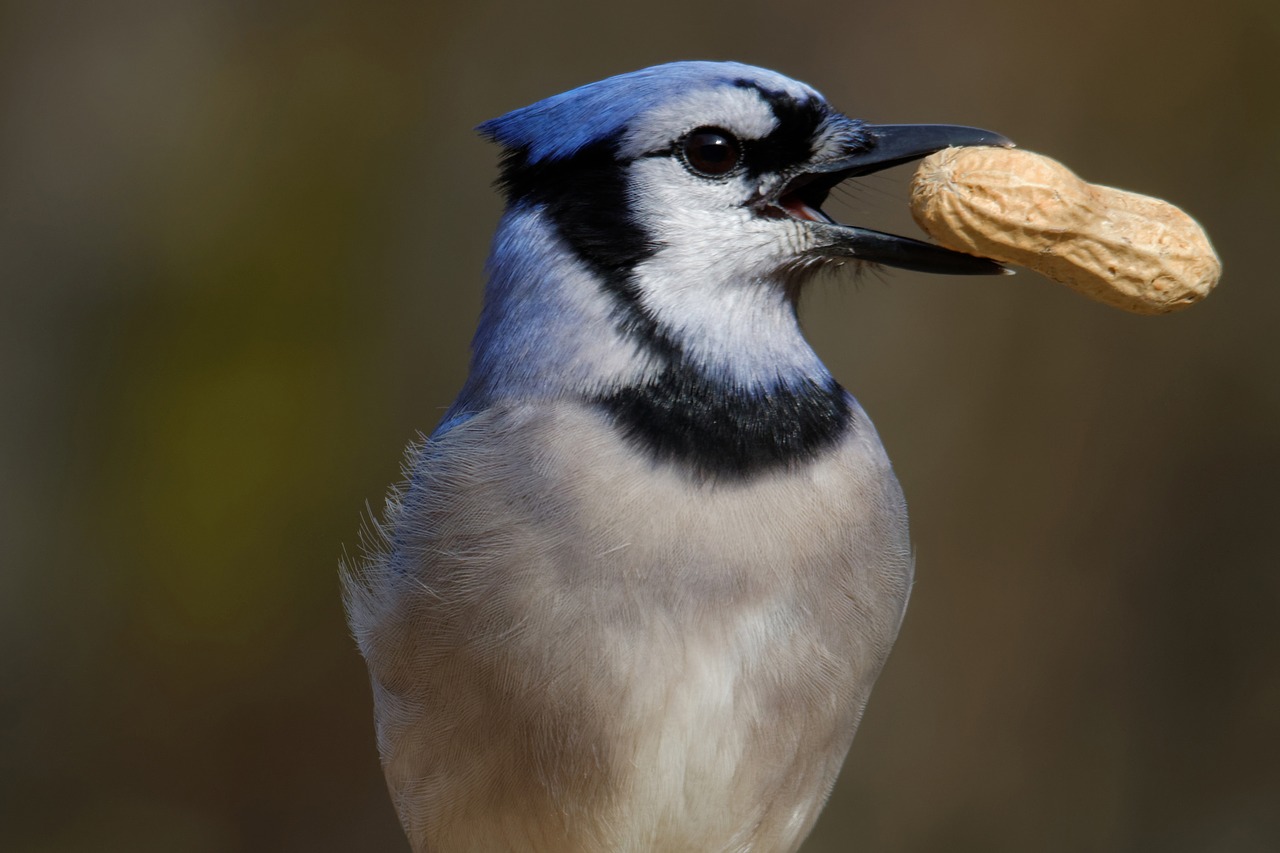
(634, 589)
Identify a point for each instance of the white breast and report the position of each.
(575, 650)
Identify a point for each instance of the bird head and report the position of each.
(712, 168)
(658, 226)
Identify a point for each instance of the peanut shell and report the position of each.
(1129, 251)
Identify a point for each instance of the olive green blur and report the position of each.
(241, 251)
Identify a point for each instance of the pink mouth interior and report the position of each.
(794, 205)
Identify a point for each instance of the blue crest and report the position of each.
(563, 124)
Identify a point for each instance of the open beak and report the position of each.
(881, 147)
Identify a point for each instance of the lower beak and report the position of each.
(889, 145)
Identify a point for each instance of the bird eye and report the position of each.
(712, 152)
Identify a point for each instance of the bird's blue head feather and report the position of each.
(562, 125)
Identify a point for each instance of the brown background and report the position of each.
(240, 261)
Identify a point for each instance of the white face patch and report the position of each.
(716, 280)
(739, 110)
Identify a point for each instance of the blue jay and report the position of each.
(638, 584)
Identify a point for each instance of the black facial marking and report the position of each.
(791, 143)
(724, 433)
(585, 197)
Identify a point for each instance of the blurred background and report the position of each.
(240, 262)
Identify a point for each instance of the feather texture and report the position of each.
(574, 651)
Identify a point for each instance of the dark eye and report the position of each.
(711, 151)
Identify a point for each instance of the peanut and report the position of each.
(1126, 250)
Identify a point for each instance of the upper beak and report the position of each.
(891, 145)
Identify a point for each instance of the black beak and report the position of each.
(891, 145)
(895, 144)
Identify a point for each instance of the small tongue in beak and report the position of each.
(793, 204)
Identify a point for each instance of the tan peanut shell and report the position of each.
(1127, 250)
